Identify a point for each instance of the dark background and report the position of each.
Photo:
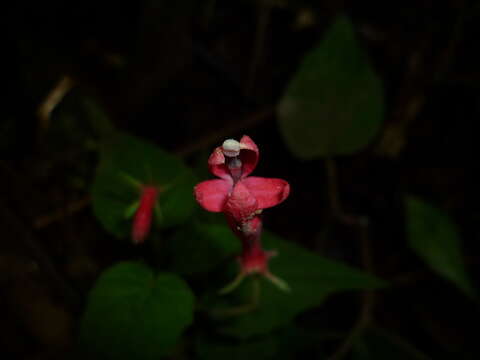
(186, 75)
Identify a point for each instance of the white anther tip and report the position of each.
(231, 147)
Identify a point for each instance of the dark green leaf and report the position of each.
(201, 248)
(334, 103)
(125, 158)
(434, 237)
(134, 314)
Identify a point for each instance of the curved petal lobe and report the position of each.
(268, 192)
(212, 194)
(216, 164)
(249, 155)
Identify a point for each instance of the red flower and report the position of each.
(142, 220)
(242, 198)
(236, 194)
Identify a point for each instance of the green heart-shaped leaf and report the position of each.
(126, 161)
(135, 314)
(334, 103)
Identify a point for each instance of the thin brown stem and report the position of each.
(53, 98)
(334, 200)
(415, 88)
(368, 299)
(60, 214)
(365, 316)
(246, 308)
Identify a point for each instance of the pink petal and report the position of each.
(142, 220)
(216, 164)
(249, 155)
(212, 194)
(241, 205)
(268, 192)
(248, 143)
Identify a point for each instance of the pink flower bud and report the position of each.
(142, 220)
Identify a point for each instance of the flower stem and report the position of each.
(244, 308)
(233, 285)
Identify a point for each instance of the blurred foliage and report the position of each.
(134, 313)
(434, 237)
(334, 103)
